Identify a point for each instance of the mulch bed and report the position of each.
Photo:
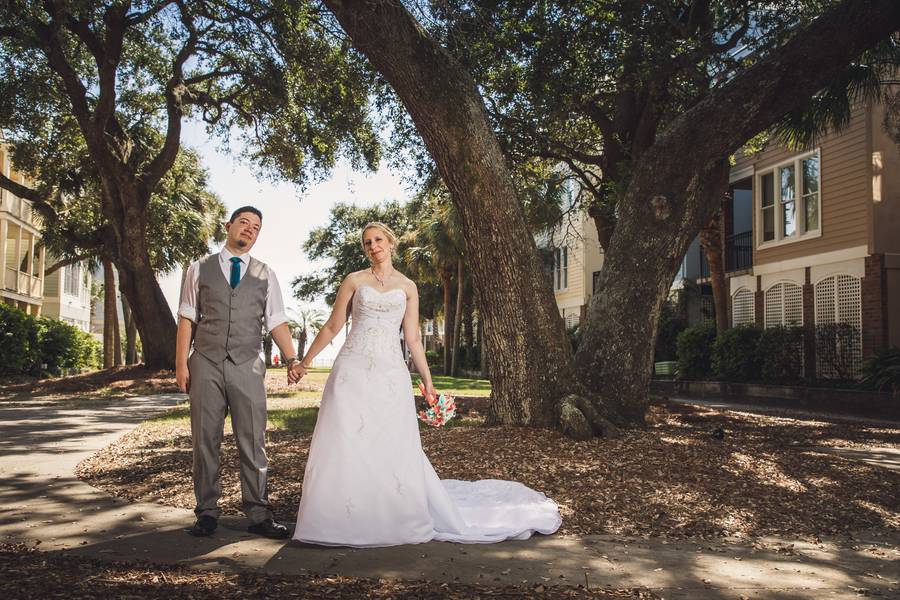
(767, 475)
(26, 573)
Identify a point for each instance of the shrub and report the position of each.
(434, 358)
(838, 351)
(574, 335)
(734, 354)
(671, 323)
(882, 372)
(19, 351)
(694, 347)
(43, 346)
(780, 352)
(58, 346)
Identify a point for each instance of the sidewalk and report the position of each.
(41, 501)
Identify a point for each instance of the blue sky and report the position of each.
(288, 215)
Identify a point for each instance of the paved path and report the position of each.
(41, 501)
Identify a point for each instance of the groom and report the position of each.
(226, 299)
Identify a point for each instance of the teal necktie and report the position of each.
(235, 271)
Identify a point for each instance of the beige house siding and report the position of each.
(845, 193)
(885, 164)
(579, 236)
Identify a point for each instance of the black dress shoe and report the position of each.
(270, 529)
(203, 527)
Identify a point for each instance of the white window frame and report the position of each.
(560, 269)
(73, 273)
(800, 233)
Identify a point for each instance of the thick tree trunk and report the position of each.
(110, 318)
(522, 325)
(117, 340)
(482, 355)
(663, 209)
(152, 315)
(615, 357)
(130, 333)
(457, 319)
(124, 207)
(713, 245)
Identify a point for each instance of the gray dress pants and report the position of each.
(215, 389)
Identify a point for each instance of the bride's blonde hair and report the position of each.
(391, 236)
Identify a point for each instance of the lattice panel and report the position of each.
(838, 327)
(825, 301)
(742, 310)
(849, 300)
(793, 305)
(572, 320)
(784, 305)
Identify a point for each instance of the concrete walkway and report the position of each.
(42, 502)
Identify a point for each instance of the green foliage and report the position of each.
(434, 358)
(882, 372)
(672, 321)
(19, 342)
(780, 351)
(43, 346)
(694, 350)
(734, 354)
(339, 242)
(574, 335)
(273, 73)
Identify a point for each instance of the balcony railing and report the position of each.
(739, 251)
(17, 207)
(22, 283)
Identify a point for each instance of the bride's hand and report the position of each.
(429, 393)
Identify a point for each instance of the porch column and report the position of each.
(4, 232)
(18, 265)
(809, 327)
(759, 304)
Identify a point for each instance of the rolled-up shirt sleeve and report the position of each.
(275, 313)
(187, 304)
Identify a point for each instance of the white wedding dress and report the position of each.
(367, 480)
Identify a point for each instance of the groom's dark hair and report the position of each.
(243, 209)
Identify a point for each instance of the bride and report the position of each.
(367, 480)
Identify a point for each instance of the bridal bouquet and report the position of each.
(440, 410)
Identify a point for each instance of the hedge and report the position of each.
(42, 346)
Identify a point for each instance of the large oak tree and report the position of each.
(92, 73)
(674, 185)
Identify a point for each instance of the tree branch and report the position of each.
(23, 191)
(63, 263)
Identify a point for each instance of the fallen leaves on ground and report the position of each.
(768, 475)
(28, 574)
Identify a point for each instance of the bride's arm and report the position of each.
(414, 338)
(334, 324)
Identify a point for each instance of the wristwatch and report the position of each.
(289, 361)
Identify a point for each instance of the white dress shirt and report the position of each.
(187, 307)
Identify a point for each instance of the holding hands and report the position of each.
(296, 370)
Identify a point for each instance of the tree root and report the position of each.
(579, 419)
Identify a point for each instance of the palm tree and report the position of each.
(305, 322)
(433, 252)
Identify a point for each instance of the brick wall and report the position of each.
(873, 292)
(759, 303)
(809, 328)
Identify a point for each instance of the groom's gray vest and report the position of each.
(230, 320)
